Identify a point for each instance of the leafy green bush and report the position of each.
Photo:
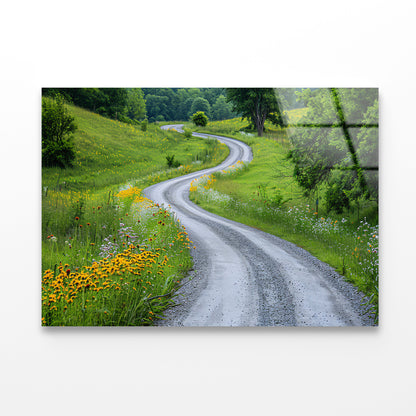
(200, 119)
(187, 133)
(57, 128)
(61, 155)
(172, 163)
(144, 125)
(336, 197)
(127, 120)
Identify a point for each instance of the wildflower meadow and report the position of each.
(109, 255)
(351, 248)
(117, 269)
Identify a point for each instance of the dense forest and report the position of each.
(159, 104)
(153, 104)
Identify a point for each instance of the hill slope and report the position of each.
(110, 152)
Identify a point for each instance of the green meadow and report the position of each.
(265, 195)
(109, 255)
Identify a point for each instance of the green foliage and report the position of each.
(144, 124)
(222, 110)
(336, 195)
(199, 119)
(136, 105)
(187, 133)
(57, 129)
(171, 162)
(157, 107)
(201, 104)
(257, 105)
(109, 102)
(127, 120)
(335, 144)
(181, 103)
(156, 104)
(368, 150)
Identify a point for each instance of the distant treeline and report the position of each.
(155, 104)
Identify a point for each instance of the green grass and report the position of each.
(119, 265)
(235, 125)
(265, 195)
(86, 223)
(110, 152)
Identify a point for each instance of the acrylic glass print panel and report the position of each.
(210, 207)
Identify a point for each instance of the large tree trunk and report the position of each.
(260, 127)
(259, 120)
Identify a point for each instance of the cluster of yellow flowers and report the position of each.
(205, 180)
(133, 193)
(233, 168)
(133, 268)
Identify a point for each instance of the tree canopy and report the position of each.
(57, 128)
(336, 143)
(155, 104)
(257, 105)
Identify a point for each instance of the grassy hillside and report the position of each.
(109, 152)
(109, 255)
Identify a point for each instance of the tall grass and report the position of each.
(109, 256)
(352, 249)
(119, 264)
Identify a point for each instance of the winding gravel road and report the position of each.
(245, 277)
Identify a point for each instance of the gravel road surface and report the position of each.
(245, 277)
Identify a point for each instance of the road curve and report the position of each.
(245, 277)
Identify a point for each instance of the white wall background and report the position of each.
(258, 371)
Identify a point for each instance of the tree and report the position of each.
(367, 151)
(201, 104)
(109, 102)
(200, 119)
(222, 110)
(257, 105)
(116, 101)
(57, 129)
(157, 106)
(211, 94)
(136, 105)
(336, 144)
(185, 109)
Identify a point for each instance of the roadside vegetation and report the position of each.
(265, 194)
(109, 255)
